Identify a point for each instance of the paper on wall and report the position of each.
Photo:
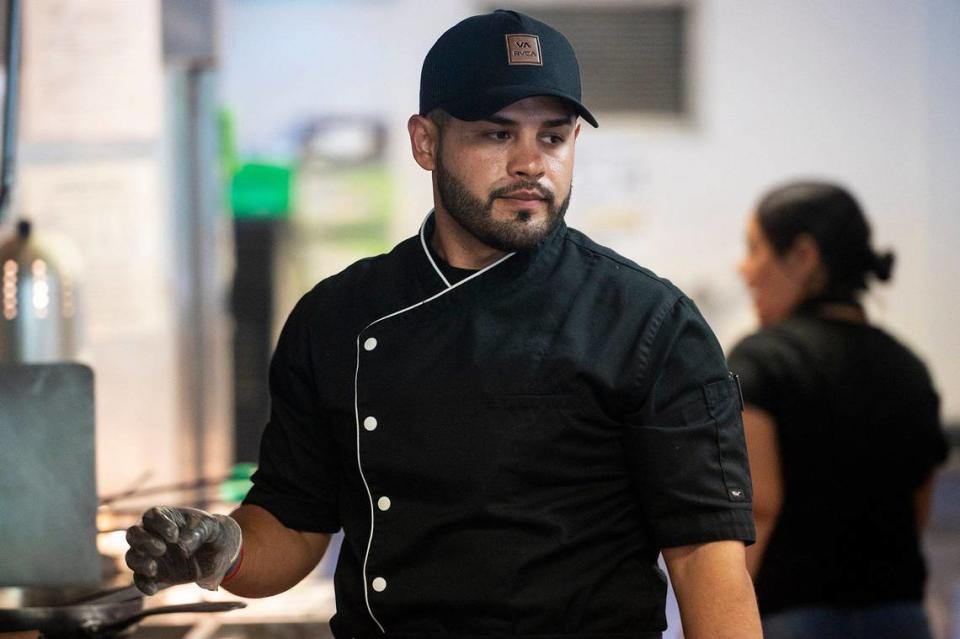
(92, 71)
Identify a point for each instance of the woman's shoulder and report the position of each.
(795, 353)
(778, 340)
(890, 350)
(813, 342)
(767, 362)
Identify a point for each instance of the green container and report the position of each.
(236, 487)
(260, 190)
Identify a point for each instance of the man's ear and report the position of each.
(424, 141)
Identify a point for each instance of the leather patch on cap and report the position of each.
(523, 48)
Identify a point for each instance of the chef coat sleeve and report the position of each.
(298, 476)
(685, 444)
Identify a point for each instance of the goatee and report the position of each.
(476, 216)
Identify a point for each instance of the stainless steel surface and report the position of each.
(37, 301)
(48, 488)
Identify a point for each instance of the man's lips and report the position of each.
(528, 196)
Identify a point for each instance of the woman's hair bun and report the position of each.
(883, 265)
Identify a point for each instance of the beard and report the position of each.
(476, 216)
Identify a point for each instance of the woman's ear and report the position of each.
(805, 254)
(424, 141)
(804, 260)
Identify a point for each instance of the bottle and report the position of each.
(38, 302)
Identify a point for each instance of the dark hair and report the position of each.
(441, 118)
(835, 221)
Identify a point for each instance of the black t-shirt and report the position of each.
(453, 274)
(858, 429)
(506, 454)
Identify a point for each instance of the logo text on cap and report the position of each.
(523, 48)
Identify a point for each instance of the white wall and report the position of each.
(91, 172)
(859, 91)
(942, 134)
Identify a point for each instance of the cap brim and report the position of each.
(479, 107)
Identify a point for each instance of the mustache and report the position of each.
(522, 185)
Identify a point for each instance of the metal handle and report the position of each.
(204, 606)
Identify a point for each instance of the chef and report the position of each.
(509, 421)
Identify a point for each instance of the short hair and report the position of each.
(440, 118)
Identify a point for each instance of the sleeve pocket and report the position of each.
(724, 404)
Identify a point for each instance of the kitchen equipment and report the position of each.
(47, 479)
(38, 300)
(37, 292)
(105, 614)
(43, 597)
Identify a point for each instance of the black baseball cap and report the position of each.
(487, 62)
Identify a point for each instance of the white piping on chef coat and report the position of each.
(423, 242)
(356, 378)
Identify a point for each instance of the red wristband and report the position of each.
(233, 569)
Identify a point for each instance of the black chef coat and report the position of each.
(508, 454)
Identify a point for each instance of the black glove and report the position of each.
(182, 545)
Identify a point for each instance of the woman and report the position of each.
(842, 426)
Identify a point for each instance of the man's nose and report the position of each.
(526, 159)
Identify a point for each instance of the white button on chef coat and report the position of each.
(383, 503)
(370, 343)
(379, 584)
(370, 423)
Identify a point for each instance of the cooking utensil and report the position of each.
(44, 597)
(100, 618)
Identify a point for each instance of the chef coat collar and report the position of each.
(453, 274)
(509, 270)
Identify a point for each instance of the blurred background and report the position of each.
(189, 168)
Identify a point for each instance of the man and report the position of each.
(508, 421)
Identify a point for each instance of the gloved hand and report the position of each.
(182, 545)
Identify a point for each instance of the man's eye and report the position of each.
(554, 138)
(499, 135)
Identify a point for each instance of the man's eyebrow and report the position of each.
(502, 121)
(564, 121)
